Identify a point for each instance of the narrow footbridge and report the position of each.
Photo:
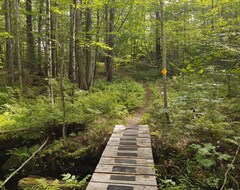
(127, 161)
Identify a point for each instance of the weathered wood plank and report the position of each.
(117, 135)
(139, 179)
(128, 143)
(119, 151)
(123, 169)
(128, 161)
(111, 186)
(131, 138)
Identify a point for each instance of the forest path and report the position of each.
(127, 161)
(135, 118)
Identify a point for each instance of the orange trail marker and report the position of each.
(164, 71)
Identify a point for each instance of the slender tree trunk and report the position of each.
(53, 42)
(18, 47)
(72, 49)
(106, 58)
(31, 58)
(111, 44)
(63, 97)
(164, 64)
(97, 40)
(39, 56)
(157, 38)
(9, 42)
(48, 50)
(79, 49)
(89, 64)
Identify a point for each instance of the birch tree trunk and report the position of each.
(39, 56)
(157, 38)
(164, 63)
(111, 44)
(97, 48)
(48, 50)
(53, 42)
(72, 49)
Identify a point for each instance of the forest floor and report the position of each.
(135, 118)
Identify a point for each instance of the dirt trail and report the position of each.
(136, 117)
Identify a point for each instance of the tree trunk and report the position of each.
(9, 42)
(164, 64)
(111, 44)
(89, 64)
(48, 50)
(97, 40)
(72, 49)
(53, 42)
(39, 56)
(18, 47)
(63, 97)
(157, 38)
(79, 49)
(31, 58)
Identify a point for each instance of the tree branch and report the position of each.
(17, 170)
(229, 168)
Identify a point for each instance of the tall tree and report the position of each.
(17, 41)
(89, 63)
(39, 48)
(49, 50)
(54, 41)
(109, 66)
(157, 37)
(31, 58)
(72, 42)
(82, 84)
(164, 63)
(9, 42)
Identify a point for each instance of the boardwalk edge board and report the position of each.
(127, 161)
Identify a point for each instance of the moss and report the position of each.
(40, 183)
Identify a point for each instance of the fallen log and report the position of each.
(33, 182)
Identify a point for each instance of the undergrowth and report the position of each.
(115, 100)
(197, 148)
(96, 111)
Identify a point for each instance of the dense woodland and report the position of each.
(71, 70)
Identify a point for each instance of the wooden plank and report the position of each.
(128, 143)
(110, 186)
(131, 138)
(124, 161)
(120, 131)
(120, 169)
(139, 180)
(142, 152)
(116, 135)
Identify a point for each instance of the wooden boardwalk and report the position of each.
(127, 162)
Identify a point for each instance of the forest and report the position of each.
(72, 69)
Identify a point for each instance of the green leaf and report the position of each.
(224, 157)
(195, 146)
(204, 151)
(206, 162)
(231, 166)
(209, 146)
(66, 176)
